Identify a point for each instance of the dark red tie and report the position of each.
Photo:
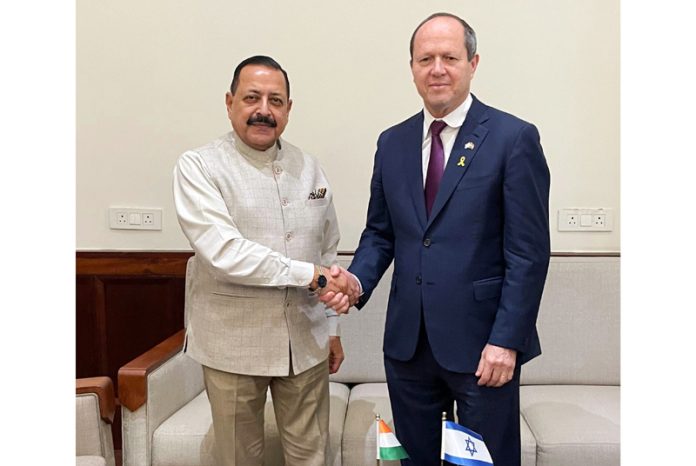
(436, 165)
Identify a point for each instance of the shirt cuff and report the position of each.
(359, 284)
(334, 327)
(300, 274)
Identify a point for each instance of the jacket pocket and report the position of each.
(488, 288)
(323, 202)
(470, 182)
(232, 295)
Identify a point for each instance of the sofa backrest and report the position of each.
(362, 333)
(578, 326)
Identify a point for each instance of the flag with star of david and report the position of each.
(463, 446)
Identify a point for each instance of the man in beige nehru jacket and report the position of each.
(259, 215)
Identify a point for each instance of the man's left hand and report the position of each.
(336, 355)
(496, 367)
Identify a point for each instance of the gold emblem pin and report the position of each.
(462, 159)
(469, 145)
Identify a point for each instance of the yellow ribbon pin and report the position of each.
(461, 161)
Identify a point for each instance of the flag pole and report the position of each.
(442, 448)
(377, 418)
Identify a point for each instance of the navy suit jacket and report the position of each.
(476, 267)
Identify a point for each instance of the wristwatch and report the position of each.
(321, 279)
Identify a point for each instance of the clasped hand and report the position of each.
(342, 290)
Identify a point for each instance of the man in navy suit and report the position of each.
(469, 236)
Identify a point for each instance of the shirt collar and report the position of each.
(454, 119)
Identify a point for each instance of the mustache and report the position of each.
(262, 120)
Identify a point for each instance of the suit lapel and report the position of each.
(465, 148)
(413, 149)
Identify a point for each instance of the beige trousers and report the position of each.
(301, 406)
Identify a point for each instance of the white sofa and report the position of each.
(569, 398)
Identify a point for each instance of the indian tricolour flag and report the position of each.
(388, 447)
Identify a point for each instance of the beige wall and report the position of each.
(151, 78)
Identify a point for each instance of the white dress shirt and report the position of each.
(455, 120)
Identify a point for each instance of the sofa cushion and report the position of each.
(186, 438)
(90, 460)
(359, 436)
(573, 424)
(529, 447)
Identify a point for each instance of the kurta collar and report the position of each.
(268, 155)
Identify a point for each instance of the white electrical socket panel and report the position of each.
(598, 219)
(135, 218)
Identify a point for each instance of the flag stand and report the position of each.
(444, 418)
(377, 418)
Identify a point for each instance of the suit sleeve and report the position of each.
(526, 243)
(376, 248)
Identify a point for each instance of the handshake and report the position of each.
(342, 289)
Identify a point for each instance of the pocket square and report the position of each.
(318, 193)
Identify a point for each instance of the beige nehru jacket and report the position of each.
(257, 222)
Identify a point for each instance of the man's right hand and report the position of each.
(342, 290)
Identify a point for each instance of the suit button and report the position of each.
(419, 280)
(426, 242)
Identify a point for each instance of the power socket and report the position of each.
(135, 218)
(590, 220)
(148, 218)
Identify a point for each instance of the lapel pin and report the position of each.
(469, 145)
(462, 159)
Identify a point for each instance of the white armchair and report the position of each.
(166, 414)
(95, 407)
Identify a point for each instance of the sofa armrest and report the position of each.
(94, 413)
(104, 389)
(152, 387)
(132, 378)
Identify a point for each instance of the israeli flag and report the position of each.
(463, 446)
